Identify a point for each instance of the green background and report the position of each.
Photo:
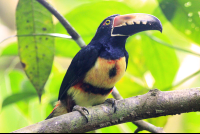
(164, 61)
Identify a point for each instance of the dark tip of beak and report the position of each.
(160, 26)
(161, 29)
(157, 24)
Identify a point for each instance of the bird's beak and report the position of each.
(126, 25)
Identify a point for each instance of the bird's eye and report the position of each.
(107, 22)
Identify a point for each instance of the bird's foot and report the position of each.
(81, 110)
(113, 102)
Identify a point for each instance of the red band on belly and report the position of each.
(85, 87)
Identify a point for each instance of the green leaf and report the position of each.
(131, 86)
(67, 5)
(16, 78)
(11, 119)
(146, 55)
(9, 50)
(163, 64)
(110, 129)
(18, 97)
(90, 21)
(66, 48)
(159, 121)
(191, 122)
(36, 52)
(54, 83)
(184, 15)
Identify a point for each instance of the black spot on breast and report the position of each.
(23, 64)
(44, 29)
(112, 72)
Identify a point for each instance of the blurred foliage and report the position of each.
(152, 64)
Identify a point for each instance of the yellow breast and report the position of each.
(105, 73)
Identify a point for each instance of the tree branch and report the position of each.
(155, 103)
(142, 125)
(64, 22)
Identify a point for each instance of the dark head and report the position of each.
(124, 26)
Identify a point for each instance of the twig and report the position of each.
(64, 22)
(170, 46)
(116, 94)
(147, 126)
(39, 34)
(182, 81)
(157, 104)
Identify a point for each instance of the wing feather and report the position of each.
(80, 65)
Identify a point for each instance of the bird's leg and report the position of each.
(113, 102)
(81, 110)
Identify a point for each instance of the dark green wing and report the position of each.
(80, 65)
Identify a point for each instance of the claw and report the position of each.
(113, 102)
(85, 109)
(81, 111)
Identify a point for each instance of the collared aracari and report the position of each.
(97, 67)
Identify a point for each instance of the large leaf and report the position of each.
(163, 63)
(66, 48)
(15, 79)
(90, 16)
(36, 52)
(17, 97)
(21, 88)
(149, 55)
(184, 15)
(68, 5)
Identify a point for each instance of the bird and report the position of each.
(96, 68)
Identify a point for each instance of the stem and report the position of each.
(182, 81)
(170, 46)
(64, 22)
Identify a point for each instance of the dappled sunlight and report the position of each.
(149, 79)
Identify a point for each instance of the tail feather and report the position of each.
(51, 115)
(59, 109)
